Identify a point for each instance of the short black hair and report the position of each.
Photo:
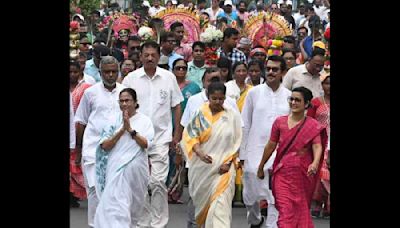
(176, 61)
(238, 64)
(228, 32)
(132, 92)
(155, 20)
(241, 1)
(302, 27)
(277, 58)
(101, 50)
(307, 95)
(318, 51)
(205, 13)
(201, 1)
(209, 71)
(290, 50)
(152, 44)
(165, 35)
(224, 62)
(96, 12)
(258, 63)
(175, 25)
(289, 39)
(134, 38)
(76, 64)
(99, 40)
(200, 44)
(216, 86)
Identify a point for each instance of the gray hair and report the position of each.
(108, 60)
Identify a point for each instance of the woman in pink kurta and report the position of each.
(77, 88)
(300, 142)
(320, 111)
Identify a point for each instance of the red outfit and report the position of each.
(77, 186)
(291, 186)
(320, 111)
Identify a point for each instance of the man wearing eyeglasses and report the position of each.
(264, 103)
(307, 74)
(168, 43)
(134, 44)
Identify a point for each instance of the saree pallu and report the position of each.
(77, 185)
(242, 98)
(219, 136)
(76, 180)
(291, 186)
(122, 175)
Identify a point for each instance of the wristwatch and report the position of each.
(133, 133)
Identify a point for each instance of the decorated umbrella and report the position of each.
(268, 26)
(188, 17)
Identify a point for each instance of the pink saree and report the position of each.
(291, 186)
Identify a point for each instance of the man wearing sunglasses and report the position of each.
(264, 103)
(134, 45)
(168, 43)
(307, 74)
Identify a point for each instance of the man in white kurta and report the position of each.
(192, 106)
(264, 103)
(98, 108)
(157, 93)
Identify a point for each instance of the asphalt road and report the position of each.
(78, 216)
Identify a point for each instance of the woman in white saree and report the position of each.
(210, 143)
(122, 171)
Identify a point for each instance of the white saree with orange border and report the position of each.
(219, 136)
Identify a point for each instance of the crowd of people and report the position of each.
(241, 120)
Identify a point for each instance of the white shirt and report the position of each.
(153, 10)
(299, 76)
(297, 19)
(89, 79)
(213, 16)
(156, 96)
(71, 124)
(98, 108)
(195, 102)
(322, 12)
(232, 90)
(261, 108)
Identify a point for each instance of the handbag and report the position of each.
(278, 159)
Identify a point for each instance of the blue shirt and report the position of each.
(92, 70)
(231, 17)
(195, 73)
(172, 57)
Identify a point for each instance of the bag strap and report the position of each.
(291, 141)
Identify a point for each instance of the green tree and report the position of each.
(87, 6)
